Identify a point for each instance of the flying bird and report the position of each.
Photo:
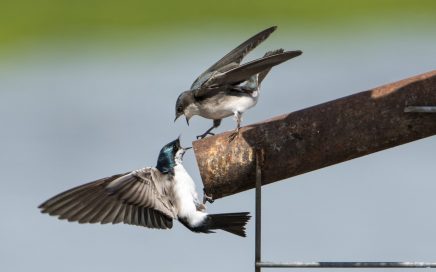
(228, 87)
(151, 197)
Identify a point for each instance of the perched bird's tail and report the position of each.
(263, 74)
(230, 222)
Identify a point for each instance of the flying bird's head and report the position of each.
(185, 106)
(170, 155)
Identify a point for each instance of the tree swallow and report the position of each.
(228, 88)
(150, 197)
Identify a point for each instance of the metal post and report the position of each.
(259, 162)
(258, 264)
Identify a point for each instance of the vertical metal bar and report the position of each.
(259, 159)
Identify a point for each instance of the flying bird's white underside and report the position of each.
(186, 197)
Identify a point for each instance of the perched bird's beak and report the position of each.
(187, 148)
(177, 117)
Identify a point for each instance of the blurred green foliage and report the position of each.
(27, 21)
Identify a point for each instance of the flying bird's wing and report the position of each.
(234, 57)
(133, 198)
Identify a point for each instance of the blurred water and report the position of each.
(71, 117)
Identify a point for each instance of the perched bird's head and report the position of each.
(170, 154)
(185, 105)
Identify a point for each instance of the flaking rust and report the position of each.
(318, 136)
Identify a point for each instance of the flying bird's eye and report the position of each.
(179, 109)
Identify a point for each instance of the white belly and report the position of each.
(186, 196)
(227, 106)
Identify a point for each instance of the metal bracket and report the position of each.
(259, 163)
(258, 264)
(424, 109)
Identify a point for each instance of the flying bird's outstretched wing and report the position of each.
(234, 57)
(135, 198)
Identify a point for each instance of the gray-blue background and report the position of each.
(72, 113)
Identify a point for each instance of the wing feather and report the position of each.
(144, 217)
(76, 212)
(234, 57)
(128, 215)
(101, 213)
(120, 215)
(112, 215)
(85, 214)
(61, 203)
(243, 72)
(135, 215)
(134, 198)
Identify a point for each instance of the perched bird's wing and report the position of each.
(234, 57)
(133, 198)
(263, 74)
(243, 72)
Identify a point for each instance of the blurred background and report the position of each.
(87, 90)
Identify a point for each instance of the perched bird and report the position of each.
(228, 87)
(150, 197)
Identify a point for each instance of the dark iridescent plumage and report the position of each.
(165, 161)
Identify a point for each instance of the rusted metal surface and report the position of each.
(318, 136)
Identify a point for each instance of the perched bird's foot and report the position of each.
(204, 135)
(238, 116)
(233, 135)
(207, 198)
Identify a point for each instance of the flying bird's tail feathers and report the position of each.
(230, 222)
(263, 74)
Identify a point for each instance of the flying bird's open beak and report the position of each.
(184, 149)
(187, 120)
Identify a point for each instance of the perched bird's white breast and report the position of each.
(245, 102)
(226, 105)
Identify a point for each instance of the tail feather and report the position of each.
(263, 74)
(230, 222)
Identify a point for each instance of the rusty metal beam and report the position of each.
(319, 136)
